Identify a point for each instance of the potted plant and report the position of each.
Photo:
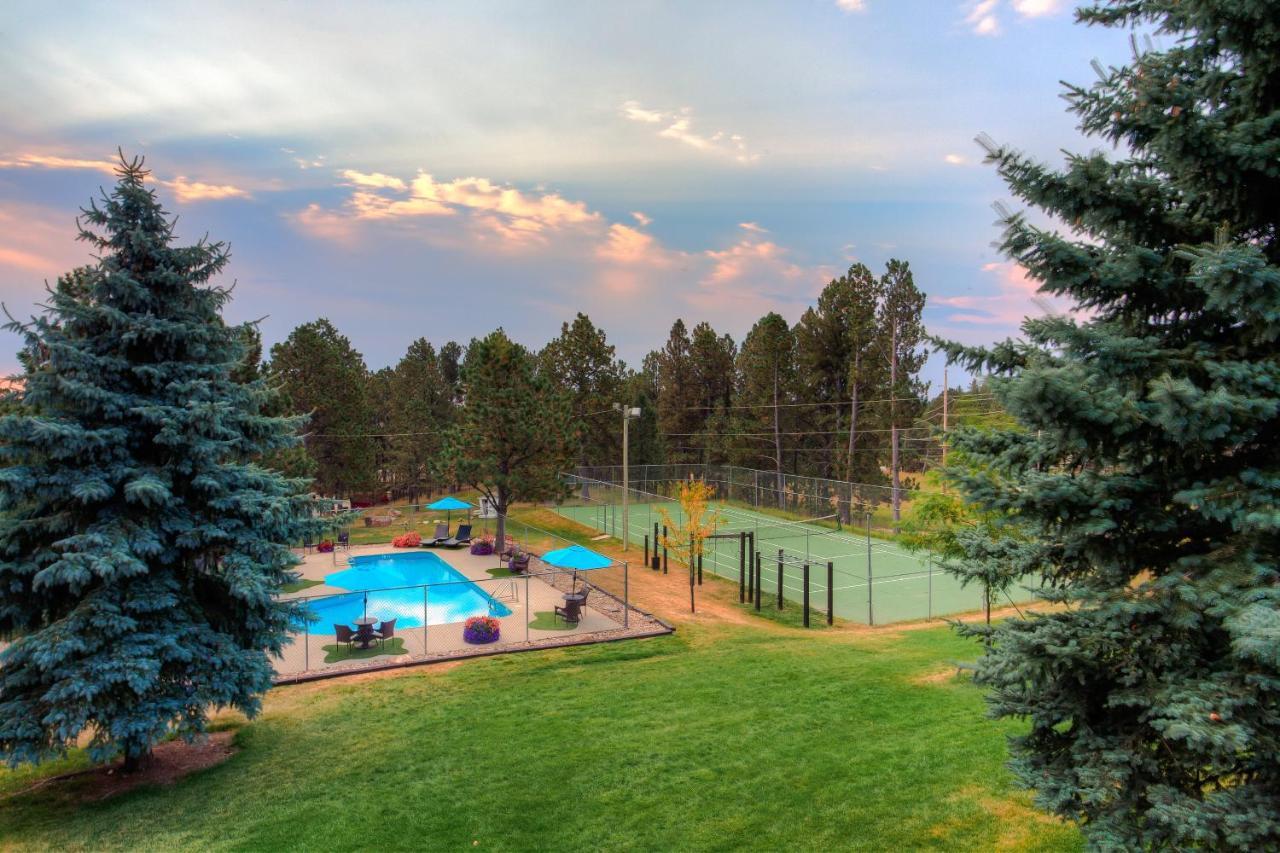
(479, 630)
(325, 546)
(483, 546)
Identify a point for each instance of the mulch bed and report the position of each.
(172, 761)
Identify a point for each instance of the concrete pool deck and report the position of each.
(526, 596)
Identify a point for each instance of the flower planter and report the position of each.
(481, 548)
(325, 547)
(479, 630)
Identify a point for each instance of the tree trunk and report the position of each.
(500, 526)
(137, 757)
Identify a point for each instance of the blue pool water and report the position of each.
(451, 598)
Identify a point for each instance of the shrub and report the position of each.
(412, 539)
(481, 629)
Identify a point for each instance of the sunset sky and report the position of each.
(412, 169)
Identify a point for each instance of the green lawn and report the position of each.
(721, 736)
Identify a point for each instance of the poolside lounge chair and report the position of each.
(462, 537)
(385, 631)
(442, 534)
(344, 634)
(571, 612)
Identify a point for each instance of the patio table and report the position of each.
(364, 631)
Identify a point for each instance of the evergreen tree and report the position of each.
(583, 362)
(321, 374)
(421, 406)
(766, 375)
(451, 367)
(1146, 463)
(679, 418)
(140, 550)
(901, 332)
(711, 358)
(514, 434)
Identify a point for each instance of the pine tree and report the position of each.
(514, 434)
(679, 417)
(765, 389)
(1145, 463)
(321, 374)
(141, 549)
(421, 409)
(585, 364)
(711, 358)
(901, 332)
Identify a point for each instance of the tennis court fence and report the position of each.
(842, 569)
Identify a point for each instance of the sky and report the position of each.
(441, 169)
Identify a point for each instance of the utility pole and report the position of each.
(628, 412)
(945, 391)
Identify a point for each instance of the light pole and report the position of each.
(628, 412)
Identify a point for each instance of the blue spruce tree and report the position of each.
(141, 545)
(1146, 465)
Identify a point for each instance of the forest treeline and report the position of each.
(838, 394)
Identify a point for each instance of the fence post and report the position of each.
(831, 594)
(758, 561)
(626, 598)
(646, 548)
(699, 569)
(656, 540)
(806, 595)
(528, 606)
(871, 620)
(664, 549)
(781, 570)
(928, 562)
(306, 646)
(426, 619)
(742, 567)
(692, 559)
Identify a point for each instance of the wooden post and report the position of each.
(806, 595)
(646, 549)
(757, 582)
(831, 595)
(664, 549)
(699, 569)
(742, 567)
(691, 562)
(656, 540)
(780, 571)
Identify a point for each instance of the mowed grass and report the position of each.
(722, 736)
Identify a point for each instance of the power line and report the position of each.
(784, 432)
(824, 403)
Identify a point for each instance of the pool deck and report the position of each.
(525, 596)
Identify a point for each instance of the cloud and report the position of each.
(187, 190)
(981, 18)
(1017, 297)
(753, 227)
(641, 218)
(1038, 8)
(489, 210)
(852, 5)
(50, 161)
(377, 180)
(680, 128)
(635, 112)
(956, 160)
(631, 246)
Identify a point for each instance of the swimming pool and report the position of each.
(452, 597)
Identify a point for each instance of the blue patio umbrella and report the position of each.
(577, 558)
(448, 504)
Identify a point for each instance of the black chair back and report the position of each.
(344, 633)
(464, 531)
(387, 629)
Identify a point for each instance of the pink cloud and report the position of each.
(1017, 297)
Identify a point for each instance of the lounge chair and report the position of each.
(442, 534)
(344, 634)
(462, 537)
(386, 630)
(571, 612)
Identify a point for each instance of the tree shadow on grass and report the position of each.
(339, 653)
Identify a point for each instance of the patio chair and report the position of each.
(442, 535)
(344, 634)
(344, 539)
(307, 545)
(462, 537)
(570, 613)
(386, 630)
(584, 592)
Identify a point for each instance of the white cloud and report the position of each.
(753, 227)
(641, 218)
(1038, 8)
(679, 127)
(852, 5)
(188, 190)
(183, 187)
(981, 17)
(956, 160)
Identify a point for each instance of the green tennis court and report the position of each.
(871, 581)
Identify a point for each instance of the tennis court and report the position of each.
(872, 581)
